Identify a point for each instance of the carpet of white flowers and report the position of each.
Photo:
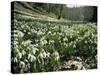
(41, 46)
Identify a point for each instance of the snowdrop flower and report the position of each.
(86, 42)
(48, 54)
(64, 43)
(29, 33)
(34, 50)
(25, 43)
(80, 38)
(71, 43)
(65, 39)
(22, 26)
(56, 55)
(15, 59)
(15, 20)
(49, 32)
(51, 41)
(44, 54)
(24, 30)
(77, 32)
(22, 64)
(35, 31)
(39, 33)
(28, 41)
(76, 40)
(20, 34)
(31, 57)
(40, 55)
(43, 38)
(74, 46)
(23, 52)
(43, 42)
(36, 40)
(17, 50)
(71, 36)
(35, 45)
(15, 42)
(25, 60)
(27, 26)
(15, 39)
(19, 55)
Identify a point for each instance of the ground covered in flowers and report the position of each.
(43, 44)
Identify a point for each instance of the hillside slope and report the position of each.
(25, 7)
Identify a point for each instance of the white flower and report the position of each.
(43, 38)
(44, 54)
(31, 57)
(26, 60)
(20, 34)
(35, 45)
(85, 42)
(64, 43)
(71, 36)
(36, 40)
(17, 50)
(74, 46)
(19, 55)
(56, 55)
(51, 41)
(39, 33)
(48, 54)
(65, 39)
(80, 38)
(27, 26)
(54, 33)
(34, 50)
(23, 52)
(25, 43)
(29, 33)
(41, 55)
(22, 64)
(76, 40)
(49, 32)
(78, 32)
(15, 59)
(28, 41)
(22, 26)
(24, 30)
(43, 42)
(15, 42)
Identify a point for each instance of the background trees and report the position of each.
(62, 11)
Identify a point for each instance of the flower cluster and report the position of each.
(39, 45)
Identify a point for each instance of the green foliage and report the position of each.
(39, 45)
